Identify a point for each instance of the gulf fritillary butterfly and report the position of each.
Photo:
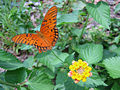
(44, 39)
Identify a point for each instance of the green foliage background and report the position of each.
(98, 45)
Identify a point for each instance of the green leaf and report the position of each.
(1, 35)
(40, 86)
(8, 61)
(22, 88)
(51, 59)
(37, 28)
(58, 1)
(16, 76)
(108, 54)
(40, 81)
(116, 39)
(28, 63)
(112, 47)
(115, 86)
(76, 32)
(25, 47)
(70, 85)
(21, 30)
(115, 49)
(59, 87)
(68, 18)
(5, 87)
(50, 74)
(93, 81)
(117, 8)
(78, 5)
(100, 13)
(61, 77)
(1, 87)
(69, 59)
(92, 53)
(113, 66)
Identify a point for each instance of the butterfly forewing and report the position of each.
(48, 26)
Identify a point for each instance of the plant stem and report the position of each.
(61, 61)
(9, 84)
(93, 1)
(84, 27)
(57, 56)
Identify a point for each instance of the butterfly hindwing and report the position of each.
(31, 39)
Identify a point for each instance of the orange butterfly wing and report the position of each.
(32, 39)
(48, 35)
(48, 26)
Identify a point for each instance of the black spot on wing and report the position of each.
(54, 22)
(51, 30)
(17, 39)
(56, 36)
(43, 24)
(30, 34)
(52, 12)
(26, 35)
(44, 20)
(54, 16)
(54, 19)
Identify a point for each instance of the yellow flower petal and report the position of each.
(71, 67)
(84, 64)
(89, 68)
(79, 70)
(80, 60)
(73, 77)
(79, 77)
(87, 74)
(84, 79)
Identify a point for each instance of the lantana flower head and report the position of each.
(79, 70)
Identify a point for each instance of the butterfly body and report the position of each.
(41, 35)
(44, 39)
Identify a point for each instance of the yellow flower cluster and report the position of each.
(79, 70)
